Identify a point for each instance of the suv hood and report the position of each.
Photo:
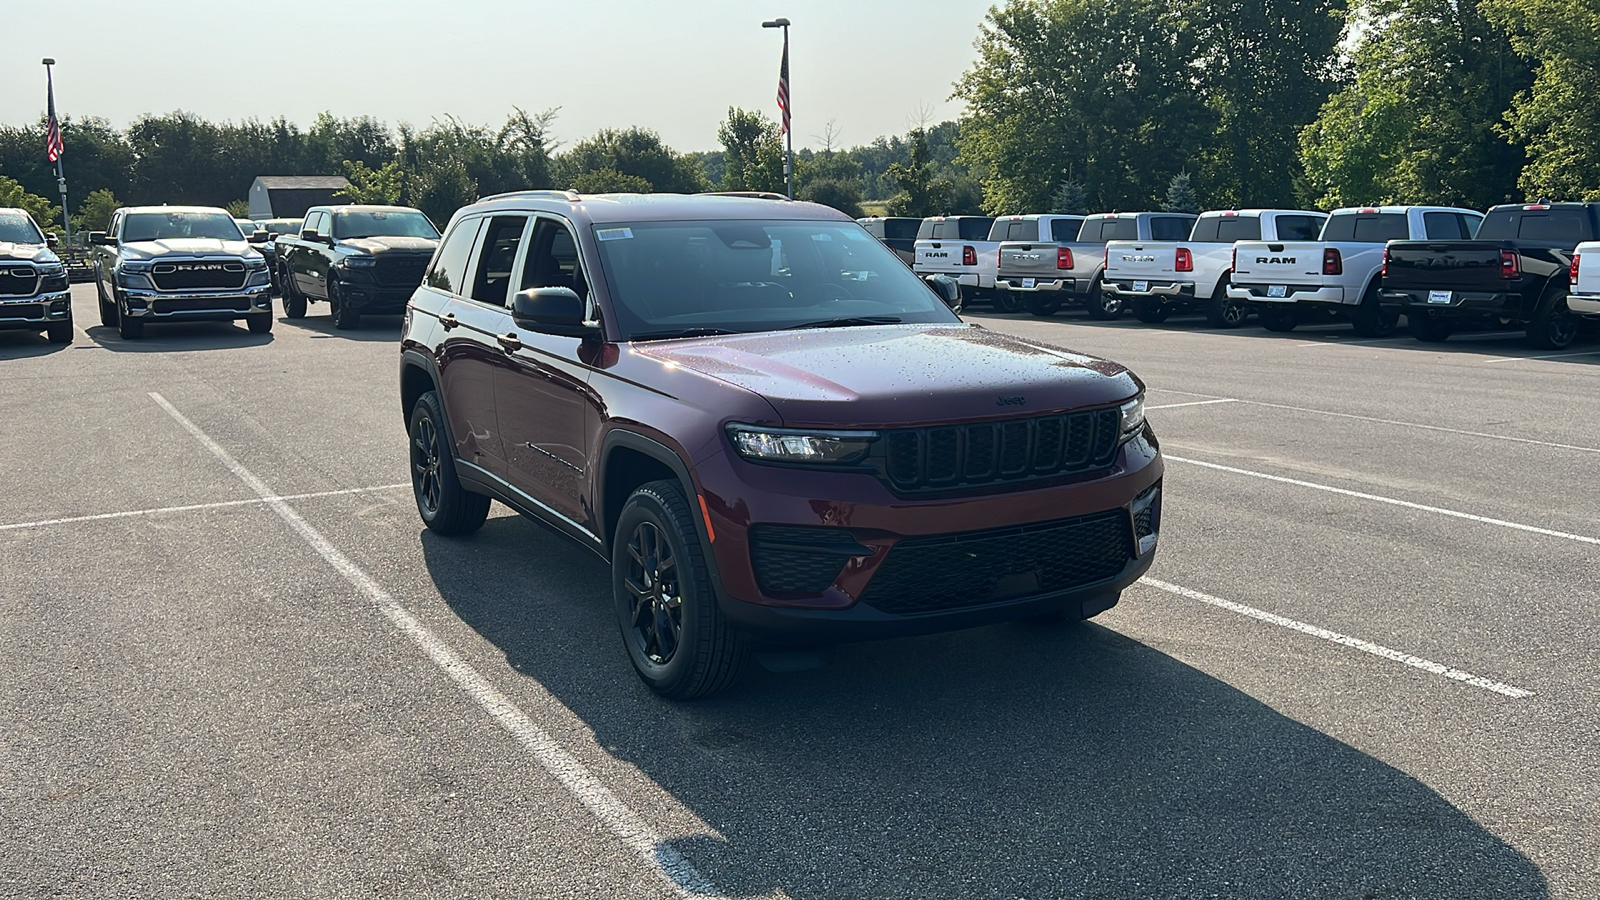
(26, 252)
(382, 243)
(892, 375)
(185, 247)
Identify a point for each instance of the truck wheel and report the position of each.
(259, 324)
(1104, 306)
(1371, 320)
(1223, 311)
(445, 506)
(1554, 327)
(59, 333)
(1152, 313)
(344, 318)
(960, 302)
(294, 302)
(1007, 301)
(129, 328)
(1281, 319)
(1041, 305)
(108, 308)
(1429, 329)
(676, 636)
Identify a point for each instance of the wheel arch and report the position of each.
(629, 459)
(417, 377)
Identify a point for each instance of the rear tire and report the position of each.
(1371, 320)
(1103, 306)
(445, 506)
(1223, 311)
(1279, 319)
(675, 633)
(1007, 301)
(1554, 327)
(1428, 329)
(1041, 305)
(1152, 313)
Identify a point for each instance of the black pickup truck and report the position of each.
(363, 260)
(1514, 273)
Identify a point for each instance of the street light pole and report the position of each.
(787, 98)
(61, 178)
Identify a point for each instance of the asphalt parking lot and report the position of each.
(1363, 666)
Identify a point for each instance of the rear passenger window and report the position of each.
(448, 272)
(1019, 231)
(945, 231)
(925, 230)
(1568, 226)
(974, 228)
(492, 282)
(1239, 228)
(1065, 231)
(553, 260)
(1170, 228)
(1297, 228)
(1443, 226)
(1372, 228)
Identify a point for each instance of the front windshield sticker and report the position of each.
(614, 234)
(822, 236)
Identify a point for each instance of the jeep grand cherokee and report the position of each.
(770, 428)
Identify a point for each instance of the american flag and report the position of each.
(783, 88)
(52, 137)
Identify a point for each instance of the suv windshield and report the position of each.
(19, 229)
(740, 275)
(382, 223)
(161, 226)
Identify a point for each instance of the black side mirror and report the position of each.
(310, 234)
(948, 289)
(259, 237)
(101, 239)
(50, 240)
(552, 310)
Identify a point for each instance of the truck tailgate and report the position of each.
(941, 258)
(1290, 263)
(1445, 265)
(1032, 260)
(1141, 260)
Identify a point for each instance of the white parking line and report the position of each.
(605, 805)
(1533, 529)
(1551, 356)
(253, 501)
(1338, 343)
(1195, 403)
(1415, 662)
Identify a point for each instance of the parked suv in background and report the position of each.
(179, 263)
(771, 428)
(33, 281)
(361, 260)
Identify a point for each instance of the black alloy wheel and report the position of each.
(1104, 306)
(1223, 311)
(1554, 327)
(655, 601)
(445, 506)
(344, 318)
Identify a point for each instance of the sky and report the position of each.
(871, 67)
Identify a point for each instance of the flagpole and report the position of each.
(61, 178)
(785, 99)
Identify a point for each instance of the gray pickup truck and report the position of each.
(1051, 275)
(33, 282)
(176, 264)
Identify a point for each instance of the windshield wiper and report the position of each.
(679, 333)
(847, 321)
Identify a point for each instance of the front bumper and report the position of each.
(195, 305)
(1165, 290)
(36, 312)
(963, 561)
(1257, 293)
(373, 298)
(1016, 283)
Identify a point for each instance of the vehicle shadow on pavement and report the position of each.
(1008, 761)
(168, 337)
(371, 328)
(27, 344)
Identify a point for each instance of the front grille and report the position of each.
(800, 560)
(956, 571)
(960, 456)
(186, 276)
(22, 311)
(200, 304)
(402, 271)
(18, 281)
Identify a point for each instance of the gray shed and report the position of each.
(289, 196)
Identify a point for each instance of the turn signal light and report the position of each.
(1064, 258)
(969, 256)
(1510, 265)
(1332, 262)
(1184, 261)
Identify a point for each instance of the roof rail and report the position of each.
(756, 195)
(555, 195)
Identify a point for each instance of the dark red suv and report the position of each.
(772, 429)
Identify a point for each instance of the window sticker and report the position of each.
(614, 234)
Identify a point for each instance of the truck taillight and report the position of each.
(1384, 272)
(1064, 258)
(1332, 262)
(1510, 265)
(969, 256)
(1572, 274)
(1184, 261)
(1105, 257)
(1233, 263)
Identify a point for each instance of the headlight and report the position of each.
(255, 265)
(782, 445)
(49, 270)
(134, 267)
(358, 262)
(1132, 416)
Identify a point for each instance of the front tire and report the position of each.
(1554, 327)
(128, 328)
(260, 323)
(59, 333)
(675, 633)
(344, 318)
(445, 506)
(1223, 311)
(1371, 320)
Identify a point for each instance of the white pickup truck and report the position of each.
(1157, 278)
(957, 246)
(1584, 298)
(1038, 229)
(1053, 274)
(1288, 282)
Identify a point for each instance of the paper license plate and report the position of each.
(1141, 285)
(1440, 296)
(1027, 282)
(1277, 291)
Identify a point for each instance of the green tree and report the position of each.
(1430, 81)
(609, 181)
(1181, 196)
(239, 209)
(752, 152)
(1070, 200)
(632, 151)
(13, 194)
(381, 186)
(1554, 117)
(921, 192)
(94, 214)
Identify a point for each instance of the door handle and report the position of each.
(449, 321)
(509, 341)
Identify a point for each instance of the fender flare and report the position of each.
(659, 452)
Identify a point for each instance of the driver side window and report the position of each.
(552, 260)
